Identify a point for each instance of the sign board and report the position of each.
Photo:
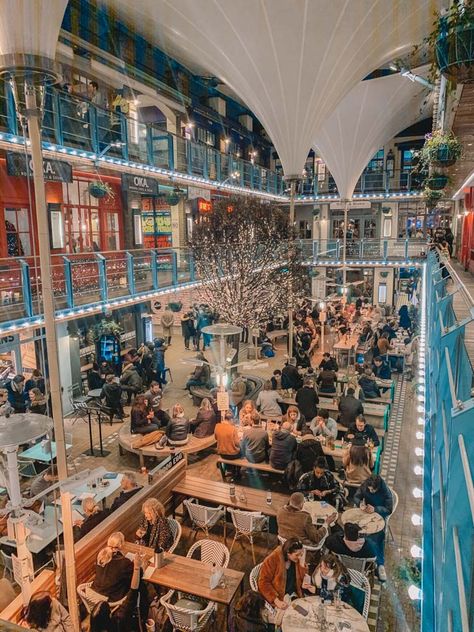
(53, 170)
(197, 192)
(22, 569)
(204, 206)
(222, 400)
(139, 184)
(340, 206)
(157, 228)
(7, 342)
(165, 465)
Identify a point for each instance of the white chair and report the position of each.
(365, 565)
(253, 581)
(308, 547)
(183, 616)
(211, 552)
(26, 468)
(90, 598)
(248, 524)
(204, 518)
(175, 528)
(360, 581)
(388, 528)
(7, 566)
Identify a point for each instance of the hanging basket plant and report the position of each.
(441, 149)
(173, 198)
(175, 306)
(386, 210)
(432, 197)
(99, 189)
(314, 273)
(453, 40)
(437, 181)
(107, 327)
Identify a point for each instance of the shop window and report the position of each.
(17, 228)
(376, 164)
(205, 136)
(112, 229)
(382, 293)
(304, 229)
(82, 229)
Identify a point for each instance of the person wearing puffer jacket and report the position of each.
(283, 447)
(130, 381)
(46, 614)
(178, 427)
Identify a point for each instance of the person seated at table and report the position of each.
(362, 432)
(248, 409)
(328, 363)
(249, 613)
(331, 576)
(389, 329)
(205, 421)
(381, 369)
(121, 619)
(254, 445)
(112, 394)
(268, 401)
(153, 397)
(290, 376)
(142, 421)
(295, 418)
(47, 614)
(283, 447)
(374, 496)
(238, 389)
(358, 463)
(276, 380)
(323, 425)
(383, 345)
(228, 441)
(368, 385)
(349, 408)
(6, 409)
(365, 334)
(154, 529)
(128, 488)
(327, 381)
(307, 399)
(113, 570)
(17, 394)
(36, 380)
(106, 368)
(350, 542)
(294, 522)
(178, 427)
(94, 378)
(130, 381)
(201, 375)
(308, 450)
(37, 403)
(43, 481)
(93, 515)
(282, 573)
(323, 484)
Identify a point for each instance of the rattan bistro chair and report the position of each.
(360, 582)
(176, 531)
(204, 518)
(253, 581)
(388, 529)
(90, 598)
(248, 524)
(183, 616)
(211, 552)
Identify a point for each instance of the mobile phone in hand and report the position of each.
(300, 610)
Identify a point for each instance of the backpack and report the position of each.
(293, 473)
(268, 352)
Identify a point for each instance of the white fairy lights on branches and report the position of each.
(248, 261)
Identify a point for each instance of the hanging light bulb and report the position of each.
(421, 421)
(414, 592)
(420, 436)
(419, 452)
(416, 551)
(416, 520)
(418, 470)
(417, 492)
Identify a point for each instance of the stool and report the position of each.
(168, 370)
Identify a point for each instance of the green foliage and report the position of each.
(107, 327)
(432, 197)
(436, 143)
(100, 189)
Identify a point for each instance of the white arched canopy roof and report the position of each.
(291, 61)
(369, 116)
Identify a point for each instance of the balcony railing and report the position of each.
(363, 250)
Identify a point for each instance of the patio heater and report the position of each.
(16, 430)
(29, 33)
(223, 353)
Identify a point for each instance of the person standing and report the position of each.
(188, 330)
(307, 399)
(349, 408)
(17, 394)
(158, 361)
(167, 321)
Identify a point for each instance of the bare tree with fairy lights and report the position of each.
(245, 254)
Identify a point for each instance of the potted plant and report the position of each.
(174, 197)
(441, 149)
(107, 327)
(453, 41)
(175, 306)
(437, 181)
(432, 197)
(386, 210)
(99, 189)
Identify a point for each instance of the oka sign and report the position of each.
(139, 184)
(53, 170)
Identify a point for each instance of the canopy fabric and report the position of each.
(369, 116)
(30, 26)
(290, 61)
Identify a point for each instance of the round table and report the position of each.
(369, 523)
(94, 393)
(318, 509)
(293, 621)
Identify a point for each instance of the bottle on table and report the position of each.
(269, 497)
(232, 488)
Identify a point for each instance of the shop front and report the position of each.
(20, 354)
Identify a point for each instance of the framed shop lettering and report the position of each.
(53, 170)
(139, 184)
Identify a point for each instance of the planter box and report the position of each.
(455, 54)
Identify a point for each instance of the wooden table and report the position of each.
(375, 414)
(295, 622)
(319, 510)
(217, 493)
(347, 344)
(369, 523)
(192, 576)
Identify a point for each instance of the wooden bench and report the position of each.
(44, 581)
(277, 333)
(194, 445)
(254, 386)
(263, 467)
(375, 414)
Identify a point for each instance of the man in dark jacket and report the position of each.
(307, 400)
(158, 361)
(129, 488)
(290, 377)
(381, 369)
(349, 408)
(328, 363)
(350, 543)
(187, 328)
(323, 484)
(254, 445)
(374, 496)
(130, 381)
(368, 385)
(362, 432)
(283, 447)
(294, 522)
(17, 394)
(112, 393)
(309, 449)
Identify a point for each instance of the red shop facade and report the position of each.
(466, 255)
